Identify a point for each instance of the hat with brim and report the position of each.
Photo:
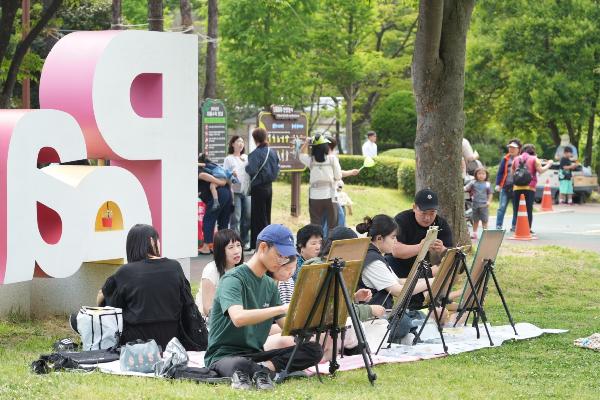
(281, 237)
(426, 200)
(513, 144)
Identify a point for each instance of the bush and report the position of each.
(399, 152)
(383, 173)
(406, 178)
(395, 119)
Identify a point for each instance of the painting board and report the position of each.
(438, 286)
(349, 249)
(404, 296)
(310, 280)
(487, 249)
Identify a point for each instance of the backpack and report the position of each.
(192, 327)
(522, 176)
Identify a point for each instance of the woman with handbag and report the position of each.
(263, 168)
(150, 289)
(236, 161)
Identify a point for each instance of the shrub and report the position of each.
(399, 152)
(406, 176)
(395, 119)
(383, 173)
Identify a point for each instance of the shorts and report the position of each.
(481, 214)
(565, 186)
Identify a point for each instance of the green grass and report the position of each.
(400, 152)
(550, 287)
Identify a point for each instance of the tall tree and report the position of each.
(155, 15)
(185, 8)
(438, 79)
(117, 19)
(22, 47)
(210, 87)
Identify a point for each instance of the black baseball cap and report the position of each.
(426, 199)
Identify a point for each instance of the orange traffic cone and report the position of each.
(522, 231)
(547, 197)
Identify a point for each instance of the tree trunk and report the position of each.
(573, 135)
(21, 50)
(185, 8)
(116, 19)
(349, 98)
(210, 90)
(7, 20)
(589, 143)
(438, 80)
(554, 132)
(337, 123)
(155, 15)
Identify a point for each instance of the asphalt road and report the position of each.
(576, 226)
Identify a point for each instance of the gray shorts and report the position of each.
(481, 214)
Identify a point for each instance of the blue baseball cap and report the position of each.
(281, 237)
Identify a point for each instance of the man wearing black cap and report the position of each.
(413, 225)
(246, 304)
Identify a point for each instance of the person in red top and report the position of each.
(504, 182)
(534, 166)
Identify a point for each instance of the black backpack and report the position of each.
(522, 176)
(193, 333)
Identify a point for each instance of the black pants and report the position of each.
(260, 208)
(529, 199)
(308, 354)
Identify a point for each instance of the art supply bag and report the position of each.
(99, 327)
(139, 356)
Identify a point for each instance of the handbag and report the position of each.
(193, 332)
(249, 188)
(99, 327)
(139, 356)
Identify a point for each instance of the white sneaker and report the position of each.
(408, 339)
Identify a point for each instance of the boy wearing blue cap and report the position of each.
(246, 304)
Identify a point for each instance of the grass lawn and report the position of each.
(550, 286)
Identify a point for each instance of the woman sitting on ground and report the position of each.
(228, 254)
(149, 288)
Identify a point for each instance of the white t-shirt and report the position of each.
(210, 272)
(378, 275)
(238, 165)
(369, 149)
(323, 176)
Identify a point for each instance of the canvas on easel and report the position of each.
(349, 249)
(442, 281)
(487, 249)
(310, 280)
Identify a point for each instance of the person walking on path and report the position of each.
(236, 161)
(263, 168)
(504, 182)
(369, 147)
(532, 165)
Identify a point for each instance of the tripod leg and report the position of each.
(437, 318)
(335, 330)
(360, 335)
(282, 376)
(480, 310)
(418, 335)
(503, 301)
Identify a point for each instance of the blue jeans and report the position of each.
(341, 220)
(219, 217)
(505, 197)
(240, 219)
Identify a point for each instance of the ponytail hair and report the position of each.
(379, 225)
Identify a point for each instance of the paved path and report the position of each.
(575, 226)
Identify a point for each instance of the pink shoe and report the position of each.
(474, 236)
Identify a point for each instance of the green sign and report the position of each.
(213, 131)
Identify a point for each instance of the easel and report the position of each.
(453, 263)
(333, 282)
(420, 269)
(481, 288)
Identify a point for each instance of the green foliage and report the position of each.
(85, 15)
(395, 119)
(382, 174)
(406, 177)
(401, 153)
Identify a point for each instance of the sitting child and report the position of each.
(205, 165)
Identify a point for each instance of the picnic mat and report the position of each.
(458, 340)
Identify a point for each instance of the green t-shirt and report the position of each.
(239, 287)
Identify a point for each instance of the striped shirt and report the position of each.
(286, 290)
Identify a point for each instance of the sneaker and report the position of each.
(241, 381)
(512, 229)
(473, 236)
(263, 381)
